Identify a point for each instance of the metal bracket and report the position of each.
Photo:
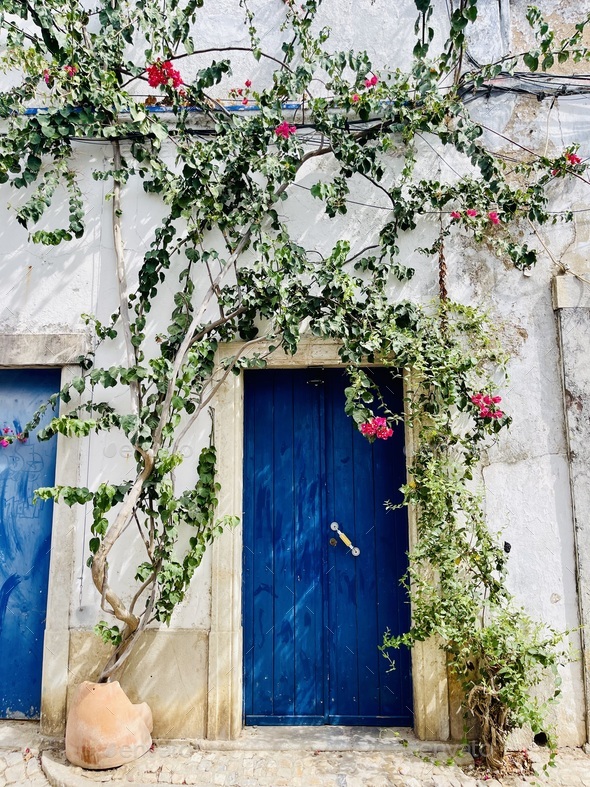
(344, 538)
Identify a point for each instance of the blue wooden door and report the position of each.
(25, 541)
(313, 614)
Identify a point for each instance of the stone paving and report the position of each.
(275, 758)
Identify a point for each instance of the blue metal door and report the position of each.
(313, 614)
(25, 540)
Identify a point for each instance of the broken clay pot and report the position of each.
(105, 729)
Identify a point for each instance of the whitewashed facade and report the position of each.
(536, 476)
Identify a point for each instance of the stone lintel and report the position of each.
(41, 349)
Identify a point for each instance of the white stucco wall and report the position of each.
(526, 473)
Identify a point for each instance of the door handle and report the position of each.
(344, 538)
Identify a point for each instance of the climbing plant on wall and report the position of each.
(117, 72)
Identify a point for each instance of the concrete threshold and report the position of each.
(328, 738)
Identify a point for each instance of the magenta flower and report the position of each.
(471, 212)
(248, 83)
(163, 74)
(455, 214)
(285, 130)
(244, 101)
(70, 70)
(573, 159)
(356, 97)
(4, 442)
(493, 217)
(384, 432)
(46, 76)
(485, 404)
(376, 427)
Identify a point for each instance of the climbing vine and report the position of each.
(238, 271)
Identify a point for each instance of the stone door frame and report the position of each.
(225, 696)
(19, 351)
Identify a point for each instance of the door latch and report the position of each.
(343, 537)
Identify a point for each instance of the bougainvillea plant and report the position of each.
(227, 250)
(8, 435)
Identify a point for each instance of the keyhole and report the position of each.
(333, 542)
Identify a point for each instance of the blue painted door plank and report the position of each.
(341, 636)
(313, 614)
(259, 635)
(307, 490)
(282, 620)
(25, 542)
(284, 547)
(391, 560)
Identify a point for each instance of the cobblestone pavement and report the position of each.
(28, 759)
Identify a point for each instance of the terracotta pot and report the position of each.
(105, 729)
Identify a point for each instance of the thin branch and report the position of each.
(361, 252)
(122, 276)
(207, 51)
(213, 391)
(528, 150)
(378, 186)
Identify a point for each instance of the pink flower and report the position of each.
(374, 80)
(380, 421)
(471, 212)
(70, 70)
(384, 432)
(555, 172)
(356, 97)
(244, 101)
(239, 91)
(285, 130)
(455, 214)
(367, 83)
(573, 159)
(248, 83)
(46, 76)
(487, 400)
(484, 412)
(496, 399)
(497, 414)
(7, 430)
(367, 429)
(493, 217)
(4, 443)
(476, 398)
